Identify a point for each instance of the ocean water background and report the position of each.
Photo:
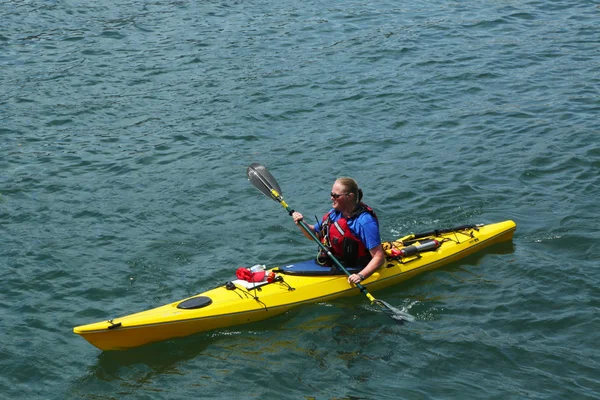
(125, 131)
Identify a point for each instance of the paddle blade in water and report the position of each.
(395, 313)
(263, 180)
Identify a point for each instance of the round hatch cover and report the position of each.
(195, 302)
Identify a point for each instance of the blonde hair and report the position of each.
(351, 186)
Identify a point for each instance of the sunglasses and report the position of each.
(335, 196)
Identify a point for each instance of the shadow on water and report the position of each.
(158, 356)
(153, 359)
(163, 357)
(128, 372)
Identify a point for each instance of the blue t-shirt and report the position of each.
(364, 226)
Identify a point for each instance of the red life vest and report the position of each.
(342, 242)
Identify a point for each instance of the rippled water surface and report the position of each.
(126, 129)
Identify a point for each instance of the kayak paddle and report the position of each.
(264, 181)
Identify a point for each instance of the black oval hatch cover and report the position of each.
(195, 302)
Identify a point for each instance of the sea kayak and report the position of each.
(239, 302)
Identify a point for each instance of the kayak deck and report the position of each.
(234, 304)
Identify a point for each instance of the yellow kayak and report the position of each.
(240, 302)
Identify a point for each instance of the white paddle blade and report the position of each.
(396, 313)
(263, 180)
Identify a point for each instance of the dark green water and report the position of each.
(126, 129)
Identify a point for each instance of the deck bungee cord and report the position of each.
(252, 292)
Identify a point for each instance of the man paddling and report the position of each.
(350, 230)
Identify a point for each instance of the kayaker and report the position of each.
(350, 229)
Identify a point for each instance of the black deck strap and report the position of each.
(255, 295)
(407, 243)
(438, 232)
(194, 303)
(261, 303)
(404, 260)
(281, 280)
(113, 325)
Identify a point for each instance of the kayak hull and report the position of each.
(235, 304)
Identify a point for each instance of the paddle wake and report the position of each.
(394, 312)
